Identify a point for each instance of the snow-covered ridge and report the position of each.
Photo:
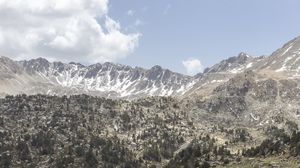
(108, 77)
(121, 81)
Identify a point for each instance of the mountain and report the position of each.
(121, 81)
(241, 112)
(256, 93)
(283, 64)
(108, 79)
(233, 64)
(221, 73)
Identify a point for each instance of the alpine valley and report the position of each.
(241, 112)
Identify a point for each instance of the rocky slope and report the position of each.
(285, 59)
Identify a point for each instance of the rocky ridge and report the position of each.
(121, 81)
(108, 79)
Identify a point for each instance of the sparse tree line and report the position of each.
(86, 131)
(278, 144)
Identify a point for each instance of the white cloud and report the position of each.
(192, 66)
(65, 30)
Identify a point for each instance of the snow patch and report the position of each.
(287, 50)
(249, 65)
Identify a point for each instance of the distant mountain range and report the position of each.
(121, 81)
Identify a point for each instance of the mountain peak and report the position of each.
(74, 63)
(108, 64)
(38, 64)
(156, 67)
(40, 60)
(231, 65)
(243, 55)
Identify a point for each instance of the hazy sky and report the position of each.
(182, 35)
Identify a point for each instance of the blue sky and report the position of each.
(182, 35)
(208, 30)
